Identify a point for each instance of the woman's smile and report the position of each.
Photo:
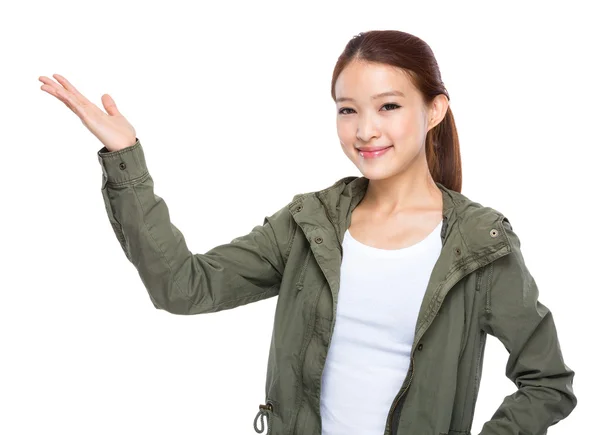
(370, 153)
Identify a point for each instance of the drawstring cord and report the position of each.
(262, 412)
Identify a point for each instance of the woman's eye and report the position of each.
(394, 106)
(348, 110)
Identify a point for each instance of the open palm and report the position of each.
(111, 128)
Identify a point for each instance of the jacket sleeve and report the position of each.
(247, 269)
(513, 314)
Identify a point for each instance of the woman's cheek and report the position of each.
(346, 137)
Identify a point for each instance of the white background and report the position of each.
(231, 103)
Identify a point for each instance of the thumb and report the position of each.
(109, 105)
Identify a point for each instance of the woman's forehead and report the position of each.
(369, 79)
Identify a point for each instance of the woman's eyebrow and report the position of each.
(383, 94)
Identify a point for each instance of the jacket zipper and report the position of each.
(397, 399)
(412, 365)
(401, 394)
(334, 316)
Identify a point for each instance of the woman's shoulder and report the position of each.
(470, 210)
(479, 222)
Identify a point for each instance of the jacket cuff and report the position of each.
(124, 165)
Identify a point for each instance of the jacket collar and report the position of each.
(468, 225)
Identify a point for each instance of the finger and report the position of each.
(51, 83)
(109, 105)
(69, 87)
(65, 97)
(56, 90)
(52, 89)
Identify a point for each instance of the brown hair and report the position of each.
(415, 57)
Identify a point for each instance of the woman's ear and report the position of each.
(437, 110)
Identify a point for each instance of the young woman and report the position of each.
(387, 284)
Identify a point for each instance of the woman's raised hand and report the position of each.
(111, 128)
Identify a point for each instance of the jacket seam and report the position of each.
(488, 296)
(478, 373)
(162, 254)
(305, 343)
(459, 225)
(130, 181)
(479, 276)
(299, 283)
(235, 301)
(478, 280)
(275, 245)
(501, 226)
(458, 266)
(116, 226)
(300, 199)
(289, 248)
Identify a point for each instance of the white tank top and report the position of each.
(380, 296)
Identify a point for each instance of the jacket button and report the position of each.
(122, 165)
(299, 208)
(494, 232)
(420, 346)
(318, 240)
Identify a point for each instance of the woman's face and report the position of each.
(377, 107)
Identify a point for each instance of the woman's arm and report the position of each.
(513, 314)
(245, 270)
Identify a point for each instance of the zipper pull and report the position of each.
(262, 411)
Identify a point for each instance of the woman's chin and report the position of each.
(378, 172)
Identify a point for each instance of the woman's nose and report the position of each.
(367, 128)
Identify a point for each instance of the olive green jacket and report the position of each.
(479, 285)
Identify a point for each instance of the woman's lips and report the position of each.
(369, 154)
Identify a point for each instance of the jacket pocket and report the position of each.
(300, 280)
